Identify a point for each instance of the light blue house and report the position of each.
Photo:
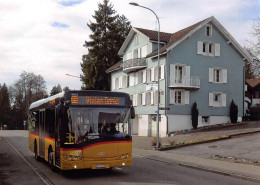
(201, 63)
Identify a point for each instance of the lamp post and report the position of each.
(158, 97)
(72, 75)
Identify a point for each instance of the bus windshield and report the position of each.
(93, 123)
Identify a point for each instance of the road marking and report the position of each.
(39, 174)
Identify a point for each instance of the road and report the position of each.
(18, 166)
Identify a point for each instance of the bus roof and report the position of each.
(67, 95)
(46, 100)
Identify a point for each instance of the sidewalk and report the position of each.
(142, 147)
(199, 135)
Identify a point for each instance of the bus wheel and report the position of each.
(50, 160)
(36, 153)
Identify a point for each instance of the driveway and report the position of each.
(243, 147)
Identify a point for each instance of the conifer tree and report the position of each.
(4, 105)
(108, 34)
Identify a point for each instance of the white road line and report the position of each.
(44, 179)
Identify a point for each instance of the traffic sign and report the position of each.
(164, 108)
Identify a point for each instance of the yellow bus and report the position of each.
(82, 130)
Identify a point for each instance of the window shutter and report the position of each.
(152, 74)
(156, 75)
(139, 52)
(172, 96)
(211, 74)
(186, 97)
(217, 50)
(155, 97)
(224, 75)
(148, 75)
(187, 75)
(152, 94)
(211, 99)
(144, 76)
(143, 98)
(113, 83)
(132, 79)
(139, 99)
(172, 70)
(144, 51)
(120, 82)
(199, 47)
(116, 83)
(223, 100)
(136, 78)
(134, 100)
(162, 71)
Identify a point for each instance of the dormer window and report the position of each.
(208, 30)
(136, 40)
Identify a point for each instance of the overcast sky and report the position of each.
(46, 37)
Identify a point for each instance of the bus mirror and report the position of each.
(132, 112)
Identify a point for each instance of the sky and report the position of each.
(46, 37)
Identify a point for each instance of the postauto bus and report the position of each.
(82, 130)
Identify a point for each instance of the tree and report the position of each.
(233, 112)
(66, 88)
(256, 34)
(108, 34)
(55, 90)
(194, 115)
(29, 88)
(5, 107)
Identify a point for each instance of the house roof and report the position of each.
(253, 82)
(172, 40)
(114, 67)
(175, 37)
(153, 35)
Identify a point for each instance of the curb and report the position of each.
(207, 140)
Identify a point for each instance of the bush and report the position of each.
(194, 115)
(255, 113)
(233, 112)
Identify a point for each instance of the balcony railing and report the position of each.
(192, 82)
(134, 64)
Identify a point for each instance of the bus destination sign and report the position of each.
(97, 100)
(102, 100)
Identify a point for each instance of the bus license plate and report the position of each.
(100, 166)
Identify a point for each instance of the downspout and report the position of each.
(166, 93)
(243, 109)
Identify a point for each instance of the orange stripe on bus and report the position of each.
(95, 144)
(34, 134)
(50, 138)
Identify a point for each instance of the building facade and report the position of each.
(201, 63)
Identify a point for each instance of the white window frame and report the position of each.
(184, 95)
(144, 51)
(220, 102)
(208, 27)
(203, 48)
(222, 79)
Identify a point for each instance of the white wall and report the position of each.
(183, 122)
(143, 125)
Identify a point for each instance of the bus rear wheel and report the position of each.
(36, 156)
(50, 161)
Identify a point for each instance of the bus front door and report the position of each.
(41, 133)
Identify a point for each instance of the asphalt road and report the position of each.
(244, 147)
(18, 166)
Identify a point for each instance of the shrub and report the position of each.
(194, 115)
(233, 112)
(255, 113)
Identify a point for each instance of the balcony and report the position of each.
(134, 64)
(192, 82)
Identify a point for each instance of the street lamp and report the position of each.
(72, 75)
(158, 97)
